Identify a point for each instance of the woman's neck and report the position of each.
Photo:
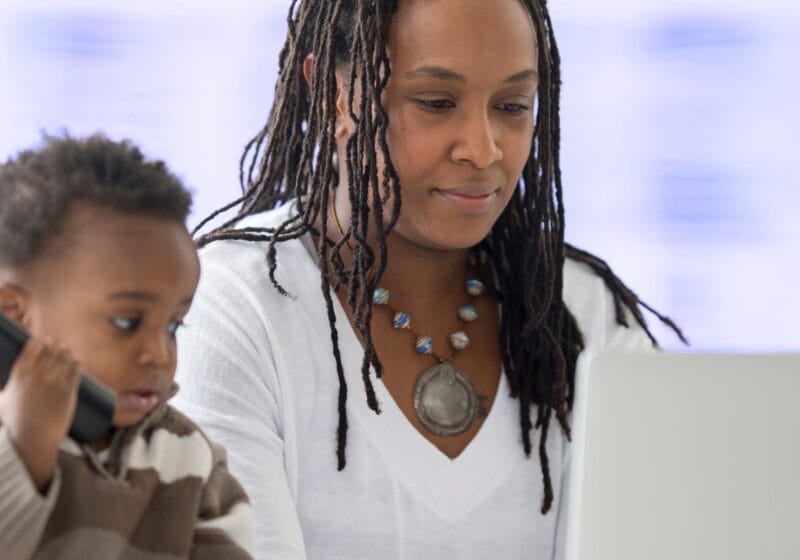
(421, 273)
(413, 272)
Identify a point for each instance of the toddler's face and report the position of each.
(115, 296)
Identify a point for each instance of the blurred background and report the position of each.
(680, 123)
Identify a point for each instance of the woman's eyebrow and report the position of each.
(440, 73)
(435, 72)
(523, 76)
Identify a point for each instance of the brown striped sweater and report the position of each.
(161, 491)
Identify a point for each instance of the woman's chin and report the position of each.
(444, 239)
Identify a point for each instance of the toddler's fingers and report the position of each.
(67, 358)
(31, 358)
(68, 370)
(72, 373)
(57, 366)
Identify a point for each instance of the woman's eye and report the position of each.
(435, 105)
(173, 327)
(126, 324)
(513, 108)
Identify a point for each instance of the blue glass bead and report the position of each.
(467, 313)
(424, 345)
(459, 340)
(402, 320)
(475, 287)
(381, 296)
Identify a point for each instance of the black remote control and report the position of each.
(96, 403)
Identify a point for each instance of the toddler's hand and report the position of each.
(37, 405)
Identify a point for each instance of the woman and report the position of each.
(402, 220)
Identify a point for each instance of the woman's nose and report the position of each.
(476, 143)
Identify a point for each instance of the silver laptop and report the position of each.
(686, 457)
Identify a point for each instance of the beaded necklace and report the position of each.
(444, 399)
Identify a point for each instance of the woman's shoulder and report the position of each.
(231, 251)
(592, 304)
(581, 283)
(242, 263)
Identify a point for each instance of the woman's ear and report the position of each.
(344, 124)
(307, 65)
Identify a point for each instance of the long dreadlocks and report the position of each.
(293, 159)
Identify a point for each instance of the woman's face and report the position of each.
(460, 104)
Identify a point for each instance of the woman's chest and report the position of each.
(399, 496)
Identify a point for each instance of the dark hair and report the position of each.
(39, 185)
(293, 158)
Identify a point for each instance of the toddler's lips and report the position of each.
(139, 401)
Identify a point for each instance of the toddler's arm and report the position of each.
(36, 408)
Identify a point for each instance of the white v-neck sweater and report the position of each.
(257, 373)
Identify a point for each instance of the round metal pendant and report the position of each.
(444, 400)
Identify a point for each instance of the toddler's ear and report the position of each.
(14, 302)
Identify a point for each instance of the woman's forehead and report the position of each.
(471, 38)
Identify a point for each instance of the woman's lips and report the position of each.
(470, 199)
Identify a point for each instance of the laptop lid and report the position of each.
(685, 456)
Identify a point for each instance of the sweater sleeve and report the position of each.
(24, 511)
(228, 386)
(224, 527)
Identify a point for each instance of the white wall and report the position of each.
(680, 122)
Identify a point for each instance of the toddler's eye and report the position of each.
(126, 324)
(173, 327)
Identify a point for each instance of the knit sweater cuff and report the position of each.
(23, 509)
